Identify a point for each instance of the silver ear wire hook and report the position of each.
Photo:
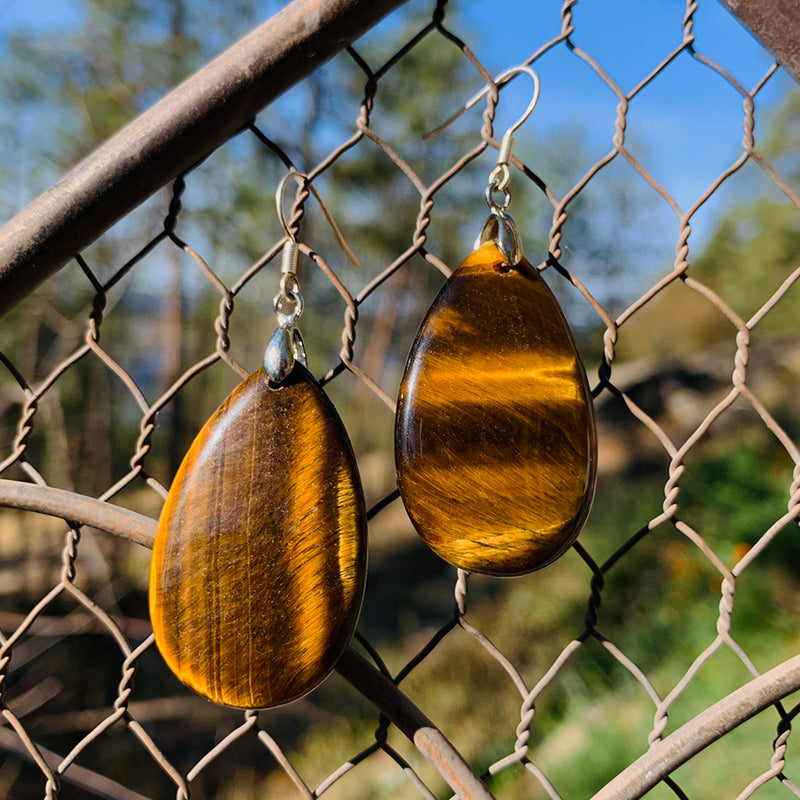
(500, 228)
(499, 81)
(501, 174)
(285, 346)
(303, 179)
(289, 258)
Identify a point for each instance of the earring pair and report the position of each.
(259, 563)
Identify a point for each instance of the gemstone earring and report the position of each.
(495, 441)
(259, 562)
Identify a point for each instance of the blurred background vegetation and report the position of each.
(68, 90)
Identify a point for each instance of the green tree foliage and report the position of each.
(756, 244)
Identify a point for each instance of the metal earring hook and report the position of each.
(499, 81)
(501, 175)
(500, 228)
(285, 346)
(289, 258)
(303, 180)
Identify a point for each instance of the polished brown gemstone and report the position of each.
(259, 562)
(495, 439)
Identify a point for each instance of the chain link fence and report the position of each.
(659, 654)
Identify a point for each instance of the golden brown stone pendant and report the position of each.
(495, 440)
(259, 561)
(495, 436)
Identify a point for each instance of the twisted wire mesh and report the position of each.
(519, 762)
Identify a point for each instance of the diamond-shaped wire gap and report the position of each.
(100, 450)
(534, 608)
(575, 105)
(161, 354)
(481, 25)
(637, 38)
(381, 231)
(660, 350)
(618, 236)
(644, 603)
(76, 652)
(487, 676)
(685, 128)
(752, 246)
(635, 42)
(485, 692)
(117, 725)
(402, 112)
(383, 239)
(165, 277)
(573, 722)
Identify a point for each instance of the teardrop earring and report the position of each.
(259, 562)
(495, 440)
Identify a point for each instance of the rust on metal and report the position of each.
(775, 24)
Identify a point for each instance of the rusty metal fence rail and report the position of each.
(451, 650)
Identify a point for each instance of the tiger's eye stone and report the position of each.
(495, 438)
(259, 562)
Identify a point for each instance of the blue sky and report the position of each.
(686, 127)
